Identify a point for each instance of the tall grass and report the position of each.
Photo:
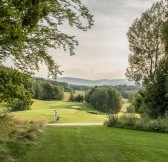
(16, 136)
(130, 121)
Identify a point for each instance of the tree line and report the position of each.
(47, 90)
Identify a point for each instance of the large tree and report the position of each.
(105, 99)
(165, 30)
(29, 27)
(145, 43)
(15, 87)
(151, 65)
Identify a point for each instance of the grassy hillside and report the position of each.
(98, 144)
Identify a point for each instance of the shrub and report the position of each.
(131, 122)
(112, 120)
(19, 106)
(128, 119)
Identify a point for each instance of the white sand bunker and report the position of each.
(76, 107)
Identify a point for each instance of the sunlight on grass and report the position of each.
(43, 110)
(66, 115)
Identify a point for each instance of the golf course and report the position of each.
(86, 143)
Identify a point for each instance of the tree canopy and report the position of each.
(29, 27)
(105, 99)
(165, 31)
(149, 60)
(146, 46)
(15, 87)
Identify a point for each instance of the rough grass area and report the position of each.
(43, 110)
(130, 121)
(15, 136)
(98, 144)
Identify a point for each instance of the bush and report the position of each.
(128, 119)
(131, 122)
(19, 106)
(16, 136)
(112, 120)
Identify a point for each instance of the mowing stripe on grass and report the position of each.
(97, 144)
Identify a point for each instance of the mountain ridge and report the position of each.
(89, 82)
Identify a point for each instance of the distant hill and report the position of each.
(86, 82)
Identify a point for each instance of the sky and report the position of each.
(103, 50)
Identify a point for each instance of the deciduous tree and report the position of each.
(29, 27)
(105, 99)
(15, 87)
(145, 43)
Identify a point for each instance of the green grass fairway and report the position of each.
(43, 110)
(98, 144)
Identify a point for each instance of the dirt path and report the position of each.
(73, 124)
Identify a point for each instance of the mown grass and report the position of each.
(43, 110)
(98, 144)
